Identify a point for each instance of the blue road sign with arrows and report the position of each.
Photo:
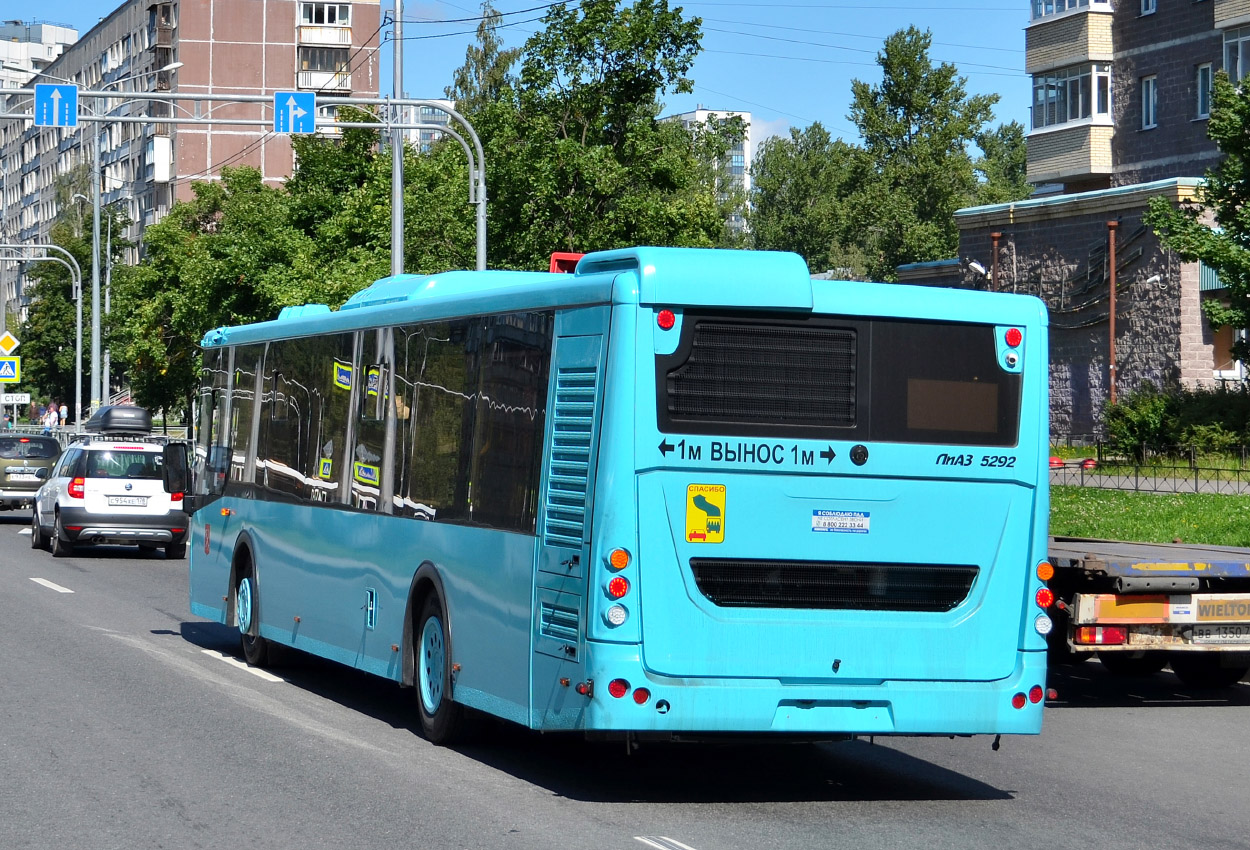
(294, 112)
(56, 106)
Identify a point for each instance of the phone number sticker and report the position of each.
(843, 522)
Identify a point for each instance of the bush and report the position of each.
(1209, 420)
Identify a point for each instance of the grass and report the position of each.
(1150, 517)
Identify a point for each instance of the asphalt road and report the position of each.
(126, 725)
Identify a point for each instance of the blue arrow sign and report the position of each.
(56, 106)
(294, 112)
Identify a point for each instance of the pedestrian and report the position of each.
(64, 414)
(7, 422)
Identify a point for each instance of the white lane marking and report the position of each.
(50, 585)
(25, 530)
(234, 662)
(659, 842)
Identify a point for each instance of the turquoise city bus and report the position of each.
(674, 494)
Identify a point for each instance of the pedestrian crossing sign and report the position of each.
(10, 369)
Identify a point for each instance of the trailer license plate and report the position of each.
(127, 501)
(1235, 633)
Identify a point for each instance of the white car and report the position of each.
(112, 488)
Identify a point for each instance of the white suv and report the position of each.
(112, 488)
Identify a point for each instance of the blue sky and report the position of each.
(788, 63)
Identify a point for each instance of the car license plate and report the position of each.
(1229, 633)
(128, 501)
(23, 476)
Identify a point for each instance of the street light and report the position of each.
(97, 384)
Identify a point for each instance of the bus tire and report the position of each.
(1132, 663)
(441, 717)
(255, 648)
(1210, 669)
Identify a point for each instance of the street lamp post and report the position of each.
(75, 273)
(97, 388)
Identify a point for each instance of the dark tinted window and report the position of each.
(35, 448)
(115, 463)
(833, 378)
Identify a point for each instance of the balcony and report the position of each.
(1069, 154)
(324, 81)
(164, 35)
(333, 36)
(1231, 13)
(1071, 39)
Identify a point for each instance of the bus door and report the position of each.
(574, 412)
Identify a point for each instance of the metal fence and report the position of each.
(1158, 469)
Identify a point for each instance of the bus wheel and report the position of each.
(255, 647)
(440, 717)
(1132, 663)
(1210, 669)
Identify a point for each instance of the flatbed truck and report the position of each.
(1141, 606)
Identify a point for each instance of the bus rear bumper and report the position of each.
(702, 705)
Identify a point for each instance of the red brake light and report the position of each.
(1014, 337)
(1036, 694)
(618, 587)
(1101, 635)
(666, 319)
(1019, 701)
(77, 488)
(1045, 597)
(641, 695)
(175, 497)
(618, 688)
(23, 439)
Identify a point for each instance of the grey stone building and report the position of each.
(1121, 97)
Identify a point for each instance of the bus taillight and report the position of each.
(618, 559)
(1045, 597)
(1036, 694)
(1045, 570)
(618, 587)
(618, 688)
(641, 695)
(666, 319)
(616, 615)
(1019, 701)
(1014, 337)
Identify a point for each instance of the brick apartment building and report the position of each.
(224, 47)
(1121, 97)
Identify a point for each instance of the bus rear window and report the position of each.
(827, 377)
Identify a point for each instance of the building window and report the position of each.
(1204, 90)
(1044, 8)
(1073, 94)
(1149, 101)
(326, 14)
(1236, 52)
(323, 58)
(1148, 7)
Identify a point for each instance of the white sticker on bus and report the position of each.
(845, 522)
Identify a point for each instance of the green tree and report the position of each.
(485, 76)
(1002, 168)
(229, 255)
(578, 161)
(917, 126)
(1223, 200)
(800, 186)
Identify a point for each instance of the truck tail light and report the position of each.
(1101, 635)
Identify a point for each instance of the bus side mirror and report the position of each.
(177, 471)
